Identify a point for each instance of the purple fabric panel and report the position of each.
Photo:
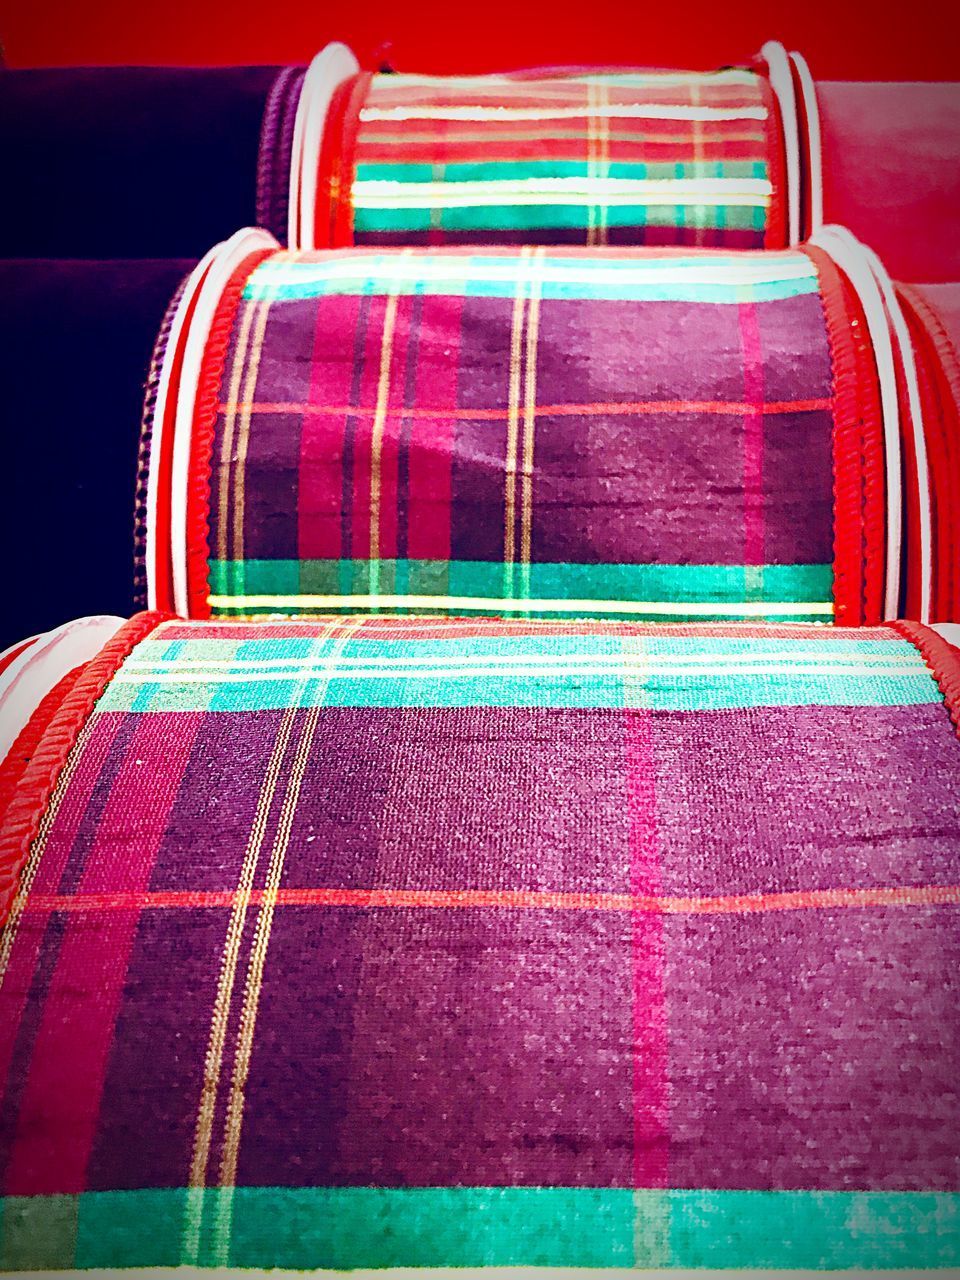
(205, 838)
(464, 798)
(154, 1076)
(473, 1047)
(775, 1081)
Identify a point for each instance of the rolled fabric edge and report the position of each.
(141, 497)
(51, 733)
(199, 451)
(942, 658)
(273, 157)
(938, 368)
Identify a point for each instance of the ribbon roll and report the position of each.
(585, 157)
(432, 943)
(561, 432)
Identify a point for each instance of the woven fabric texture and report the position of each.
(526, 431)
(661, 158)
(365, 942)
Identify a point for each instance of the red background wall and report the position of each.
(915, 40)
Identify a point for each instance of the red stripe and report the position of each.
(733, 408)
(507, 899)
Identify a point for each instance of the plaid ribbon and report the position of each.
(364, 942)
(523, 432)
(659, 158)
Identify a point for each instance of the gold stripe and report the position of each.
(513, 425)
(223, 999)
(529, 428)
(376, 431)
(243, 435)
(772, 608)
(37, 849)
(233, 1124)
(226, 447)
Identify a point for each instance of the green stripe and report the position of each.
(493, 1226)
(615, 278)
(681, 583)
(554, 217)
(504, 170)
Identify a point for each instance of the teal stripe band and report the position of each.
(518, 170)
(679, 583)
(489, 1226)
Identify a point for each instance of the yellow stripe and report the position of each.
(376, 433)
(203, 1134)
(243, 435)
(513, 422)
(37, 849)
(233, 1124)
(226, 446)
(705, 608)
(529, 428)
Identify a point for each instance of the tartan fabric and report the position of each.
(659, 158)
(613, 433)
(369, 942)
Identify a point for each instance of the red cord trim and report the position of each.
(328, 165)
(15, 653)
(342, 228)
(163, 564)
(20, 754)
(776, 235)
(21, 822)
(942, 658)
(847, 447)
(939, 364)
(205, 410)
(874, 499)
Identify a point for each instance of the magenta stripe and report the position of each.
(753, 532)
(651, 1101)
(432, 443)
(61, 1099)
(15, 982)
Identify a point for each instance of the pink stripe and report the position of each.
(390, 442)
(62, 1096)
(753, 531)
(432, 443)
(651, 1100)
(320, 475)
(15, 984)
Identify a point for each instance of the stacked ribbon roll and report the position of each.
(450, 943)
(576, 432)
(479, 853)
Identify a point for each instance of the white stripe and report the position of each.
(332, 671)
(759, 270)
(649, 111)
(753, 608)
(618, 660)
(382, 193)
